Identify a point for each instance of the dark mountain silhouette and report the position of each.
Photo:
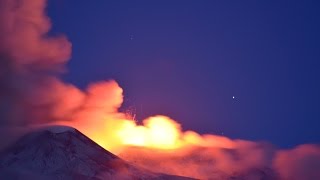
(61, 152)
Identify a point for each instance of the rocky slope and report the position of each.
(65, 153)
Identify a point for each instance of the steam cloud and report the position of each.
(32, 93)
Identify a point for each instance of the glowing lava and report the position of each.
(158, 132)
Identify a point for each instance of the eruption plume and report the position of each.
(31, 93)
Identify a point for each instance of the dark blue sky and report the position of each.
(186, 59)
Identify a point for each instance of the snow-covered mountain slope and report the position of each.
(61, 152)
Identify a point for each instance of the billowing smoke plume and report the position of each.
(32, 93)
(29, 62)
(302, 162)
(248, 160)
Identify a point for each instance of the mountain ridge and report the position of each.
(65, 153)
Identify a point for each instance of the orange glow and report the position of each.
(158, 132)
(98, 118)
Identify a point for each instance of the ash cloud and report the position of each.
(30, 64)
(302, 162)
(252, 160)
(32, 93)
(29, 61)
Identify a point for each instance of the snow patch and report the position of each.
(55, 128)
(60, 129)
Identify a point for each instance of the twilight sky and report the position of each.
(187, 60)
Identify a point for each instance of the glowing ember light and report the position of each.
(131, 134)
(158, 132)
(164, 132)
(99, 119)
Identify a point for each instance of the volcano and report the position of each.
(60, 152)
